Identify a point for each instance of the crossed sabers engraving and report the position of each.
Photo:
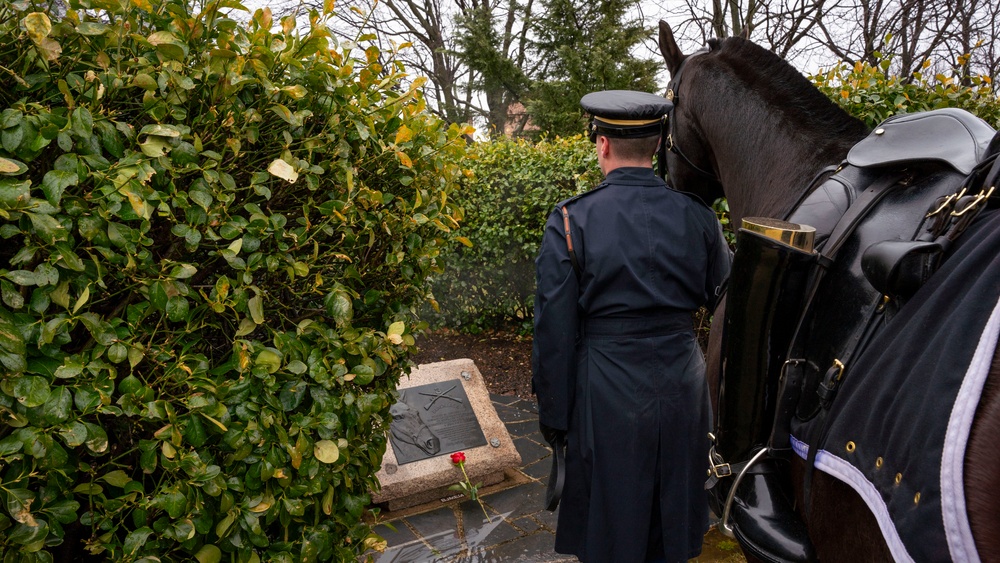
(440, 395)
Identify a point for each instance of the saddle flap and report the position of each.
(949, 135)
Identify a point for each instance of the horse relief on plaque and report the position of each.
(431, 420)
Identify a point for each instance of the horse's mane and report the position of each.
(785, 88)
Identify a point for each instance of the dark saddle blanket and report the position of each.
(897, 427)
(898, 430)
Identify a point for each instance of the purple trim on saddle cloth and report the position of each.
(956, 521)
(844, 471)
(800, 448)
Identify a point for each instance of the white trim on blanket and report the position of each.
(844, 471)
(953, 508)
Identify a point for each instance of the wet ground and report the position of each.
(517, 528)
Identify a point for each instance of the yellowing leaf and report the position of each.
(263, 18)
(261, 506)
(326, 451)
(143, 5)
(395, 332)
(297, 91)
(256, 307)
(161, 37)
(38, 26)
(154, 147)
(404, 134)
(403, 159)
(50, 48)
(464, 241)
(8, 167)
(246, 327)
(84, 296)
(283, 170)
(208, 554)
(215, 422)
(287, 24)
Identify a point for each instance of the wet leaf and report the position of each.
(74, 434)
(97, 438)
(136, 539)
(32, 391)
(19, 503)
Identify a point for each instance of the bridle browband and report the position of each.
(672, 90)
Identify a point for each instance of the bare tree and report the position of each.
(959, 34)
(474, 53)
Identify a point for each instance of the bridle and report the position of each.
(671, 145)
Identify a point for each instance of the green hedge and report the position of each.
(490, 283)
(215, 237)
(867, 93)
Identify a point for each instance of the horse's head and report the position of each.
(690, 162)
(748, 125)
(408, 427)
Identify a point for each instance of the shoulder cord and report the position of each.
(569, 243)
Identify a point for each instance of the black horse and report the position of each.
(749, 127)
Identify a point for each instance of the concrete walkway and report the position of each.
(519, 529)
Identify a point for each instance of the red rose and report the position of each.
(458, 457)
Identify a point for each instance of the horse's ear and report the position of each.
(668, 48)
(745, 32)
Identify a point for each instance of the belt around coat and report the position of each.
(654, 324)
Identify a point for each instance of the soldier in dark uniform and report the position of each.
(617, 370)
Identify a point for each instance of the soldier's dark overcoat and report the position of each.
(616, 363)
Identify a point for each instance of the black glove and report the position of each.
(552, 436)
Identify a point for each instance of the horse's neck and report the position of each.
(767, 180)
(767, 167)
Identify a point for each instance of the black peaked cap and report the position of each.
(625, 113)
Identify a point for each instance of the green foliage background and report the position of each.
(215, 236)
(872, 95)
(589, 46)
(491, 283)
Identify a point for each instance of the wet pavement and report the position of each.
(515, 526)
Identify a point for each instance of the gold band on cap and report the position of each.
(793, 234)
(627, 122)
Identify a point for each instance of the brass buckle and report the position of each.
(717, 467)
(944, 205)
(974, 203)
(840, 366)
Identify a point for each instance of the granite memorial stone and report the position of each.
(443, 407)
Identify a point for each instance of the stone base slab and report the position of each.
(428, 479)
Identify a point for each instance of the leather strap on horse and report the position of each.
(841, 232)
(569, 243)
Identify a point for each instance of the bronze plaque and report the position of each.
(431, 420)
